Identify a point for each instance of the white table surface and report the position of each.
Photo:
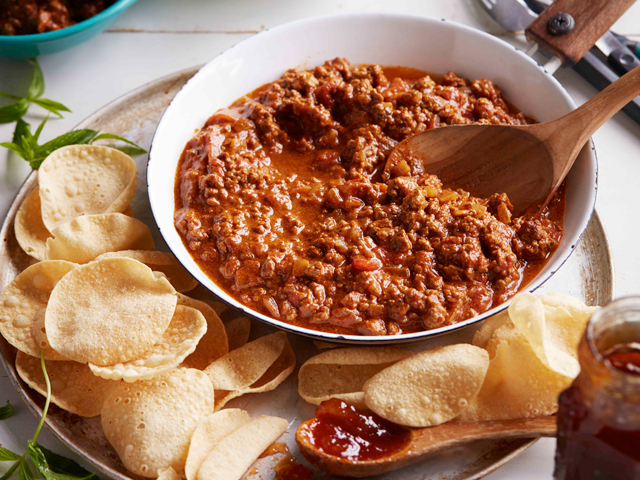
(158, 37)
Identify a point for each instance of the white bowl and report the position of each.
(426, 43)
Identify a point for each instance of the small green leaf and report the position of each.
(60, 464)
(15, 148)
(36, 89)
(134, 149)
(50, 105)
(8, 455)
(24, 472)
(36, 135)
(131, 151)
(11, 113)
(23, 129)
(39, 459)
(13, 468)
(74, 137)
(6, 412)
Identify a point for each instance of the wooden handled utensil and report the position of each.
(425, 442)
(527, 162)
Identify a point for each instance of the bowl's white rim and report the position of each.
(366, 339)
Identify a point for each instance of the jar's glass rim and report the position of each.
(629, 303)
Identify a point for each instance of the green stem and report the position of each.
(46, 403)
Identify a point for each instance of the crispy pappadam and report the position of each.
(82, 239)
(238, 331)
(30, 231)
(213, 344)
(428, 388)
(241, 368)
(163, 262)
(22, 302)
(169, 474)
(235, 453)
(83, 180)
(552, 331)
(108, 311)
(517, 384)
(179, 340)
(209, 433)
(342, 373)
(274, 376)
(73, 387)
(150, 422)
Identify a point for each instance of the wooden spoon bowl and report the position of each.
(425, 442)
(527, 162)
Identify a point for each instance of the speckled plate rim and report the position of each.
(167, 229)
(35, 401)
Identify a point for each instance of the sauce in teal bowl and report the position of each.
(50, 42)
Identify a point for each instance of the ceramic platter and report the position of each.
(588, 274)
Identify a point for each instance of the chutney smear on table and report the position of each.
(282, 201)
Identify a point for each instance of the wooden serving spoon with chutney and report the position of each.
(422, 443)
(528, 162)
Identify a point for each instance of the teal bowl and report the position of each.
(23, 46)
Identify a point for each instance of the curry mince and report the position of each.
(282, 200)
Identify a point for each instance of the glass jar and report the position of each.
(599, 414)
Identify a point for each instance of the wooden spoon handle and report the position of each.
(573, 130)
(592, 19)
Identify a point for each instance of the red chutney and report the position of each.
(599, 414)
(343, 430)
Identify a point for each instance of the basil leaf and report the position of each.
(134, 149)
(66, 466)
(11, 113)
(7, 475)
(41, 464)
(24, 472)
(131, 151)
(6, 412)
(16, 148)
(50, 105)
(74, 137)
(8, 455)
(36, 89)
(36, 135)
(23, 129)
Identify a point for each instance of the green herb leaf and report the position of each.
(50, 105)
(74, 137)
(23, 129)
(11, 113)
(6, 412)
(8, 455)
(36, 89)
(24, 472)
(16, 148)
(13, 468)
(41, 463)
(134, 149)
(60, 464)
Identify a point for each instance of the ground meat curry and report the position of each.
(282, 200)
(23, 17)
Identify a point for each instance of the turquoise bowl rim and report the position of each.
(114, 10)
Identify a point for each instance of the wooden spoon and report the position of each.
(527, 162)
(425, 442)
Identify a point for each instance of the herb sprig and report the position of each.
(6, 411)
(25, 144)
(50, 465)
(15, 111)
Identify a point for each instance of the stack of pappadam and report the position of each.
(104, 307)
